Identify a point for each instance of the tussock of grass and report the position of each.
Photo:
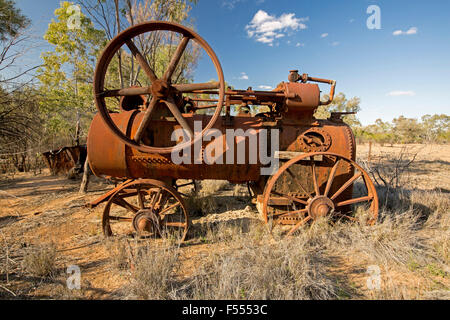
(210, 187)
(152, 274)
(40, 261)
(199, 205)
(119, 253)
(288, 270)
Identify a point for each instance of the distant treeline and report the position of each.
(430, 128)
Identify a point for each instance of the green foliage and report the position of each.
(341, 104)
(67, 75)
(12, 20)
(436, 127)
(431, 128)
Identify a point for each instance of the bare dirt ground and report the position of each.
(44, 212)
(430, 168)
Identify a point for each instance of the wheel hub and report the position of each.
(146, 221)
(160, 88)
(320, 207)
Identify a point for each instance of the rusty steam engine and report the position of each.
(316, 172)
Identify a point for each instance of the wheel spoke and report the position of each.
(170, 208)
(146, 120)
(346, 185)
(288, 213)
(178, 116)
(140, 198)
(142, 61)
(189, 87)
(163, 199)
(316, 185)
(290, 197)
(126, 205)
(345, 216)
(175, 224)
(155, 198)
(123, 219)
(125, 92)
(176, 59)
(298, 225)
(353, 201)
(331, 178)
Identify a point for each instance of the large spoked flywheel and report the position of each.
(162, 90)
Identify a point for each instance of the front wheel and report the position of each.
(148, 209)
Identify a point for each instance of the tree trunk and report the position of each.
(77, 130)
(86, 176)
(119, 52)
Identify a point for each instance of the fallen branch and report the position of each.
(6, 289)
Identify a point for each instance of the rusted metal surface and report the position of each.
(317, 171)
(63, 160)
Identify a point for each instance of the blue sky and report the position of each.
(401, 69)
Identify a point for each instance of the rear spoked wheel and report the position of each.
(292, 200)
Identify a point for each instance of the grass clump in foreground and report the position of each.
(152, 273)
(288, 270)
(40, 261)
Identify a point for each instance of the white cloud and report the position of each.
(336, 43)
(324, 35)
(230, 4)
(401, 93)
(265, 87)
(266, 28)
(410, 31)
(300, 44)
(352, 20)
(243, 76)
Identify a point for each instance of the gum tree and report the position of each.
(67, 73)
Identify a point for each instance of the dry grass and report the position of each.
(211, 187)
(40, 261)
(120, 256)
(288, 270)
(410, 246)
(152, 273)
(204, 201)
(199, 205)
